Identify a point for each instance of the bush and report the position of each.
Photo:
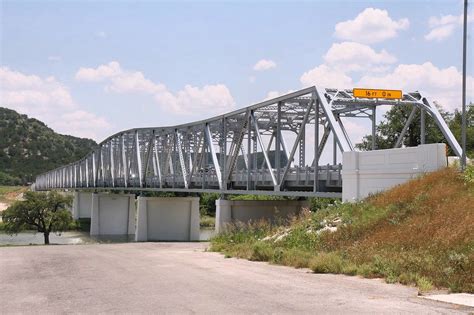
(207, 204)
(327, 263)
(261, 251)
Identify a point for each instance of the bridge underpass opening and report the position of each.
(270, 148)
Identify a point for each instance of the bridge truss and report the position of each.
(260, 149)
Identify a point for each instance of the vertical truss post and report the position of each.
(224, 153)
(124, 161)
(295, 145)
(87, 172)
(139, 159)
(75, 175)
(173, 160)
(302, 144)
(101, 166)
(157, 160)
(422, 126)
(249, 151)
(374, 128)
(278, 145)
(94, 170)
(316, 145)
(112, 164)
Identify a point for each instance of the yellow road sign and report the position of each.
(374, 93)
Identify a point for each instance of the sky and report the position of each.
(93, 68)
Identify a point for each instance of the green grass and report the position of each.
(207, 221)
(419, 233)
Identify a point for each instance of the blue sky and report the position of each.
(92, 68)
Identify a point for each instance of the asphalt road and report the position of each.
(183, 278)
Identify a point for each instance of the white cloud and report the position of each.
(49, 101)
(444, 26)
(370, 26)
(102, 72)
(214, 99)
(441, 85)
(275, 94)
(325, 76)
(351, 56)
(264, 64)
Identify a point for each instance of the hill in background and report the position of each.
(28, 147)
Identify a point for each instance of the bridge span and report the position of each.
(272, 148)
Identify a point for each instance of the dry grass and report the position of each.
(419, 233)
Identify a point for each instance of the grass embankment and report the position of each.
(418, 233)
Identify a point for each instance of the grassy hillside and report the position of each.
(28, 147)
(418, 233)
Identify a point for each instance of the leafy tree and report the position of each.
(455, 126)
(388, 131)
(43, 212)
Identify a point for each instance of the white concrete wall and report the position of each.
(113, 214)
(369, 172)
(228, 211)
(167, 219)
(82, 205)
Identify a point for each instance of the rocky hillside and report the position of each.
(28, 147)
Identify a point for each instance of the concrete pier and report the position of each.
(231, 211)
(81, 205)
(167, 219)
(113, 214)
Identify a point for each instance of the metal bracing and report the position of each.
(250, 150)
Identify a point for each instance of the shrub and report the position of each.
(261, 251)
(327, 263)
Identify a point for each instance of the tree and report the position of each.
(43, 212)
(388, 131)
(455, 126)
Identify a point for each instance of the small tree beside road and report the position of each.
(43, 212)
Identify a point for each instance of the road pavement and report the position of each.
(184, 278)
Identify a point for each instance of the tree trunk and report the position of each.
(46, 238)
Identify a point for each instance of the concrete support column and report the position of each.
(113, 214)
(75, 206)
(231, 211)
(82, 205)
(167, 219)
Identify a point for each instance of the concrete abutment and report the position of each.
(232, 211)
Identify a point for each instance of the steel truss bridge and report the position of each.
(260, 149)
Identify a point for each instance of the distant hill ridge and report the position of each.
(28, 147)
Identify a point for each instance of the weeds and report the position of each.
(419, 233)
